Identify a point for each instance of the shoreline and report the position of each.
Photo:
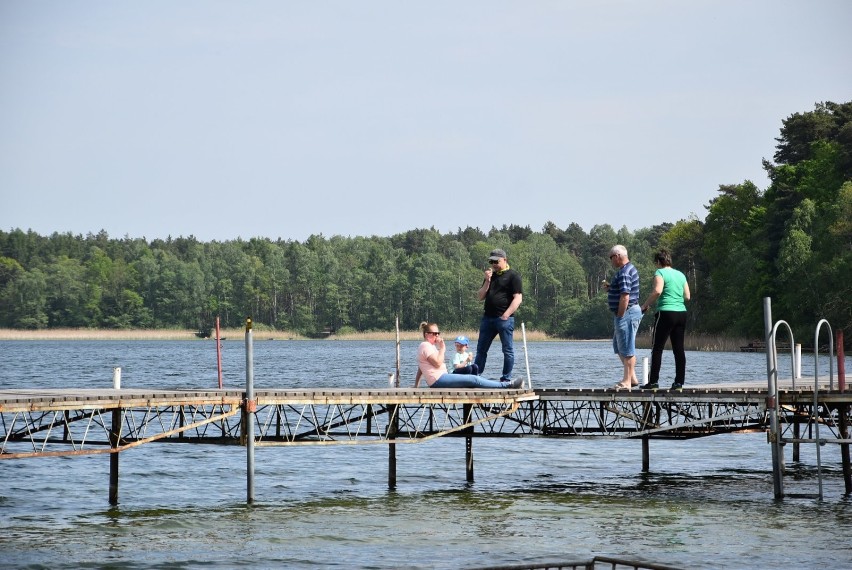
(695, 342)
(232, 333)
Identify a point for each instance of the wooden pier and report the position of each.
(40, 423)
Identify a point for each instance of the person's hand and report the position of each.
(439, 343)
(488, 273)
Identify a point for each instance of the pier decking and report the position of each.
(69, 422)
(42, 423)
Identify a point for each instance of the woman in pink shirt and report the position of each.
(431, 365)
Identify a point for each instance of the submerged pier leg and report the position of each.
(467, 410)
(844, 413)
(393, 429)
(772, 404)
(114, 437)
(648, 420)
(797, 433)
(844, 448)
(249, 409)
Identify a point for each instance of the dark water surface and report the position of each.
(706, 503)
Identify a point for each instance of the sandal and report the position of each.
(620, 386)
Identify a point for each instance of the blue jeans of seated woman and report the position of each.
(466, 381)
(490, 327)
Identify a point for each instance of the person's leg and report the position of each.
(635, 319)
(620, 345)
(483, 343)
(625, 344)
(467, 381)
(659, 334)
(629, 370)
(506, 330)
(677, 334)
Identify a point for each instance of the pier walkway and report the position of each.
(76, 422)
(44, 423)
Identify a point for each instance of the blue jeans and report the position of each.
(624, 337)
(489, 328)
(466, 381)
(469, 369)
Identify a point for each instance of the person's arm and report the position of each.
(686, 293)
(623, 302)
(656, 292)
(517, 299)
(485, 285)
(437, 358)
(417, 378)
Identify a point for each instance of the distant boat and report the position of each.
(760, 346)
(320, 334)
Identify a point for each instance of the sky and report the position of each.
(286, 119)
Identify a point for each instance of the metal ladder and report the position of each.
(775, 433)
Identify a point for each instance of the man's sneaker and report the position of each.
(516, 383)
(677, 387)
(650, 386)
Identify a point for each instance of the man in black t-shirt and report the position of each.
(502, 292)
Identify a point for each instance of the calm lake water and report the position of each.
(706, 503)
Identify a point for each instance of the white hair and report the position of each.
(618, 250)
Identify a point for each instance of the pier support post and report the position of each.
(797, 432)
(772, 403)
(646, 454)
(114, 438)
(249, 409)
(467, 411)
(393, 410)
(844, 413)
(219, 352)
(393, 429)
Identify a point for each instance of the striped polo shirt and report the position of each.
(625, 281)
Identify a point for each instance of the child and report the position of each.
(462, 359)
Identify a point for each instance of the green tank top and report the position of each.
(671, 298)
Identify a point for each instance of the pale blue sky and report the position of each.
(285, 119)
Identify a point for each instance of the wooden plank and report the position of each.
(12, 400)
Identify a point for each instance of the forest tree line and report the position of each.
(791, 242)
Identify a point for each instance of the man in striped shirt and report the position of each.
(623, 298)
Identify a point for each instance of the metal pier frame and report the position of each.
(57, 423)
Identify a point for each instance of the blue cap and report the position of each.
(462, 340)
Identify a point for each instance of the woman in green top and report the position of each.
(670, 291)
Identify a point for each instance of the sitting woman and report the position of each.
(431, 365)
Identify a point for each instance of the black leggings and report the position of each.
(668, 325)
